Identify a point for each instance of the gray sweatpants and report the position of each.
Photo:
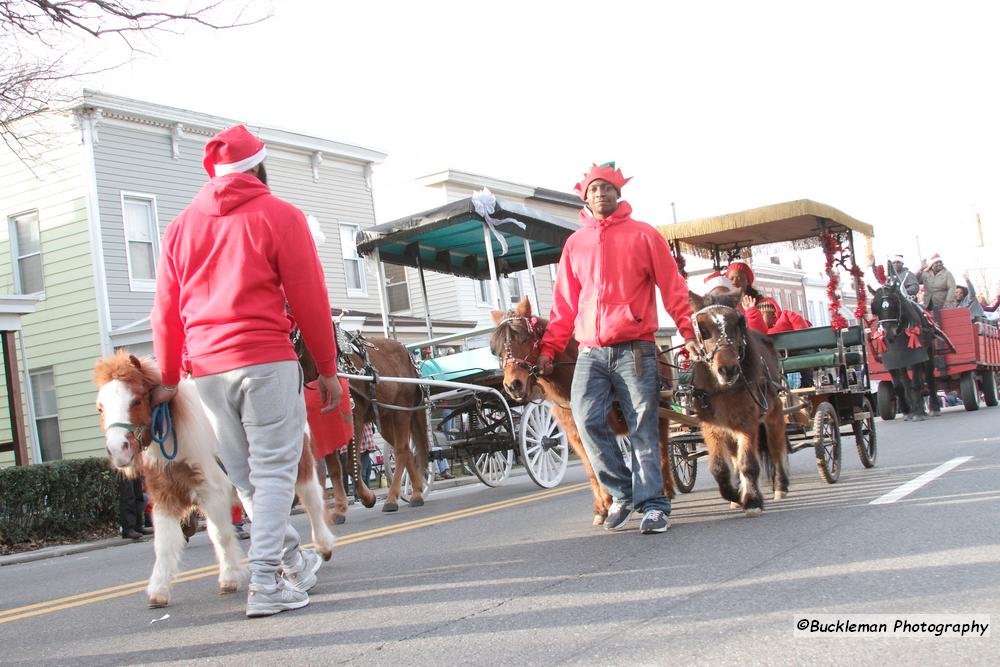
(259, 415)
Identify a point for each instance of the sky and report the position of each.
(887, 111)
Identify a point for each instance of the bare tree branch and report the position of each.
(41, 40)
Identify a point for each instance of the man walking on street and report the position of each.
(229, 262)
(605, 295)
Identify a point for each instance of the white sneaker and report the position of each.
(263, 601)
(304, 578)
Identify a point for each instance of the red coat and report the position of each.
(229, 261)
(605, 291)
(787, 320)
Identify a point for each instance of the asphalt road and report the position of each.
(517, 575)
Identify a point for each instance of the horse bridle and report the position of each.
(507, 357)
(724, 342)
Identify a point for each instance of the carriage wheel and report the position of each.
(683, 466)
(989, 386)
(826, 434)
(886, 401)
(406, 484)
(864, 435)
(544, 449)
(969, 391)
(492, 468)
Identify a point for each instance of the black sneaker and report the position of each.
(618, 515)
(654, 521)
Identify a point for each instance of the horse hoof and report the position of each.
(325, 554)
(599, 519)
(920, 418)
(752, 512)
(158, 601)
(735, 505)
(390, 507)
(227, 587)
(339, 519)
(779, 495)
(416, 502)
(369, 502)
(907, 418)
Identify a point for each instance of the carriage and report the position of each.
(969, 366)
(471, 420)
(831, 363)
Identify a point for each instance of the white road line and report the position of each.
(914, 484)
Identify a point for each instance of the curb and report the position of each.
(83, 547)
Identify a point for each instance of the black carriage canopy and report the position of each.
(449, 239)
(795, 225)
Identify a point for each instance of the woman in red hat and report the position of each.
(741, 275)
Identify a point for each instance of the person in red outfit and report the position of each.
(228, 263)
(767, 317)
(605, 296)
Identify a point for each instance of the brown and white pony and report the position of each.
(194, 479)
(515, 342)
(736, 399)
(384, 358)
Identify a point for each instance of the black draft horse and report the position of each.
(908, 335)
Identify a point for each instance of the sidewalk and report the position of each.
(82, 547)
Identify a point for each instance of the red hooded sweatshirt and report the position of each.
(228, 263)
(605, 291)
(787, 320)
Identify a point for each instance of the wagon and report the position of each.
(970, 368)
(835, 398)
(481, 238)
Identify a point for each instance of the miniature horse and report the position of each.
(736, 399)
(516, 343)
(379, 357)
(194, 479)
(907, 349)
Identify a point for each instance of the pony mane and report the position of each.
(120, 366)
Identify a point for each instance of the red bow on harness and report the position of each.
(878, 342)
(914, 337)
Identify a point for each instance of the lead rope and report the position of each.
(161, 428)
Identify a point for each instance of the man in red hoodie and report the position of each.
(605, 295)
(229, 262)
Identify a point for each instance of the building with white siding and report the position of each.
(83, 231)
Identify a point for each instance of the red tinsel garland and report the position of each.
(832, 246)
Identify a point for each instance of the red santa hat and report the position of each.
(716, 279)
(936, 258)
(604, 172)
(232, 151)
(743, 268)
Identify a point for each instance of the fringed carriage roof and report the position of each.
(799, 223)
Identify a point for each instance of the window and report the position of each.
(396, 288)
(26, 248)
(484, 291)
(141, 233)
(514, 288)
(43, 398)
(484, 294)
(354, 267)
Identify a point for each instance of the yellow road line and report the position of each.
(195, 574)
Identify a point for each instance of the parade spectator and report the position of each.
(990, 308)
(228, 263)
(965, 297)
(132, 508)
(939, 284)
(605, 296)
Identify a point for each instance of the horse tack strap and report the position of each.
(136, 431)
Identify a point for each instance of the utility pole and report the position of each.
(674, 211)
(979, 228)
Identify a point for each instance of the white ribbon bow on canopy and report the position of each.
(485, 204)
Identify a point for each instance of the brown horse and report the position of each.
(736, 399)
(379, 357)
(516, 342)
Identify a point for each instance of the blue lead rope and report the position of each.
(162, 427)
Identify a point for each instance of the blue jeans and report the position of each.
(627, 372)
